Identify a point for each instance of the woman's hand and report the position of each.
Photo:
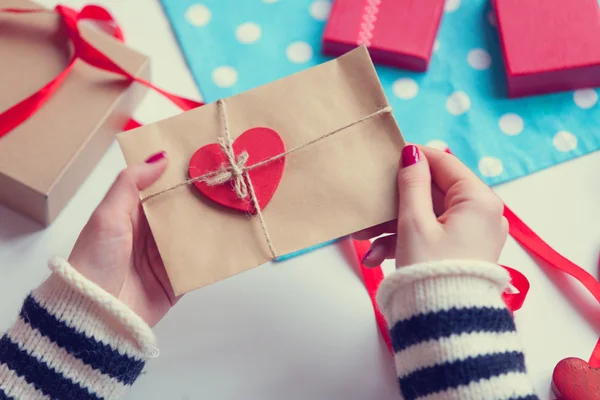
(116, 249)
(445, 212)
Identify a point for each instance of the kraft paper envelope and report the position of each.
(330, 188)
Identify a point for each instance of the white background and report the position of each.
(304, 329)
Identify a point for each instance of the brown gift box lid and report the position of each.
(44, 160)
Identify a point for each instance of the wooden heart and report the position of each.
(260, 144)
(575, 379)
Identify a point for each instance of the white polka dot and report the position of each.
(491, 17)
(511, 124)
(224, 76)
(565, 141)
(490, 167)
(451, 5)
(585, 98)
(436, 45)
(405, 88)
(458, 103)
(198, 15)
(479, 59)
(437, 144)
(299, 52)
(248, 32)
(320, 9)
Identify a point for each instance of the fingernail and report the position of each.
(410, 155)
(365, 256)
(156, 157)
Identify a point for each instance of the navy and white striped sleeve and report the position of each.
(453, 336)
(70, 342)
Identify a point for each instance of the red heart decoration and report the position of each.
(575, 379)
(260, 144)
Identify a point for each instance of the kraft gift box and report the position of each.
(44, 160)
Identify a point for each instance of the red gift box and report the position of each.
(400, 33)
(549, 45)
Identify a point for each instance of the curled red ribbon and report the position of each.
(372, 278)
(538, 247)
(528, 239)
(82, 50)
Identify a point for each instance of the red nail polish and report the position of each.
(365, 256)
(156, 157)
(410, 155)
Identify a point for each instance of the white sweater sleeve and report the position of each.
(72, 341)
(453, 336)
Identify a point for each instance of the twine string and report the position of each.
(237, 171)
(261, 219)
(212, 174)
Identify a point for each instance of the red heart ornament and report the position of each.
(260, 144)
(575, 379)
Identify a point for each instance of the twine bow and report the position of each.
(235, 170)
(236, 173)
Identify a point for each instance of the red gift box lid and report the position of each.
(397, 32)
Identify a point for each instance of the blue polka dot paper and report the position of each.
(460, 102)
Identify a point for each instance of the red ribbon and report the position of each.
(528, 239)
(372, 278)
(538, 247)
(82, 50)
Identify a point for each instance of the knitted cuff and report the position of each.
(453, 336)
(432, 286)
(99, 304)
(73, 340)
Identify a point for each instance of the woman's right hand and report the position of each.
(445, 212)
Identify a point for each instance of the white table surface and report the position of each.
(304, 329)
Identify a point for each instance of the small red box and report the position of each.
(400, 33)
(549, 45)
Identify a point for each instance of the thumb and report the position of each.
(414, 187)
(124, 193)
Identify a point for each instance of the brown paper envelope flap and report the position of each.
(34, 49)
(329, 189)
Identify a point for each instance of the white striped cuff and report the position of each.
(441, 285)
